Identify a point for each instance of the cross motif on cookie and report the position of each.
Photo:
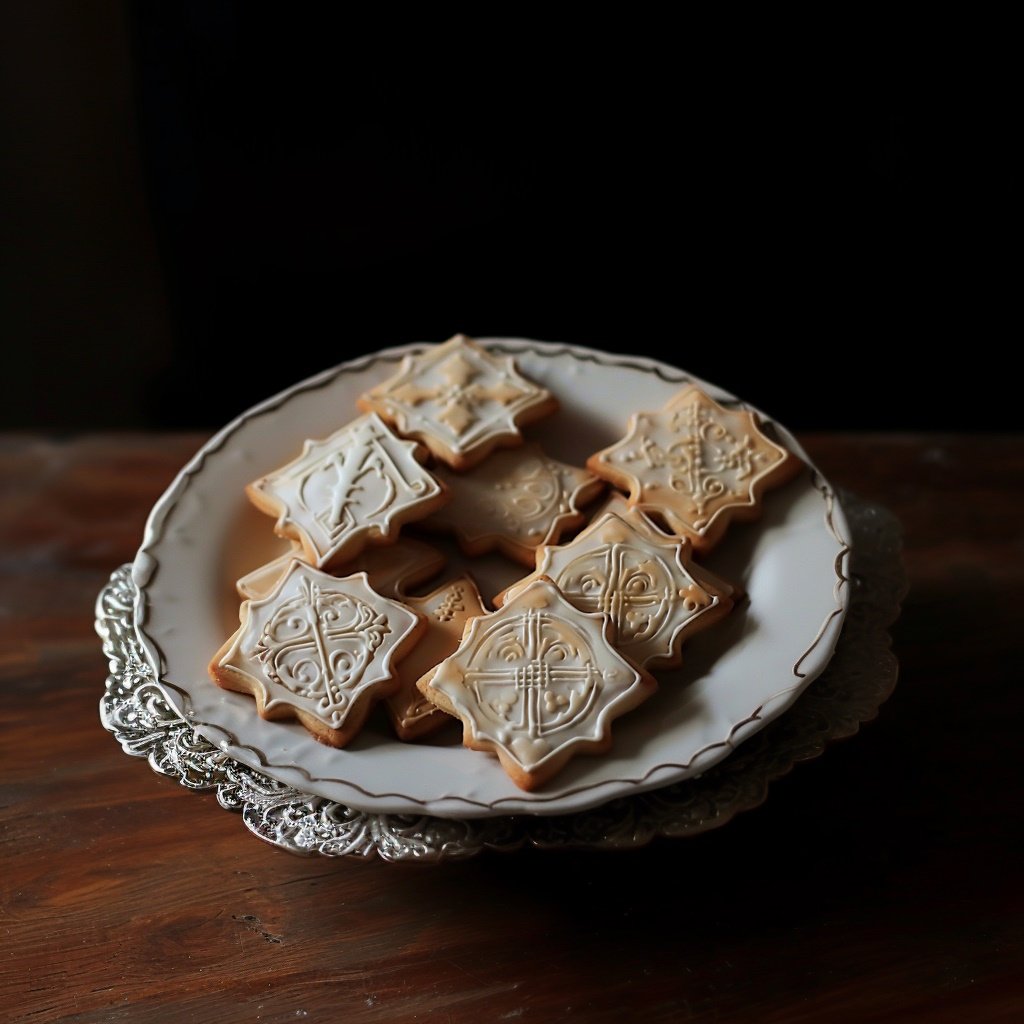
(537, 682)
(695, 465)
(647, 585)
(459, 400)
(358, 485)
(319, 649)
(460, 395)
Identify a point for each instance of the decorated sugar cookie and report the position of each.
(391, 569)
(645, 582)
(446, 612)
(695, 465)
(460, 401)
(359, 485)
(537, 682)
(638, 520)
(319, 649)
(514, 501)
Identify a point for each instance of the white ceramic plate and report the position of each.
(203, 534)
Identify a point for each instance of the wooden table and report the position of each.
(880, 882)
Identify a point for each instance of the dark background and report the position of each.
(183, 182)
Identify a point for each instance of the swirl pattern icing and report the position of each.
(319, 649)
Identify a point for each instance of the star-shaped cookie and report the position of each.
(515, 501)
(357, 486)
(319, 649)
(696, 466)
(537, 682)
(460, 401)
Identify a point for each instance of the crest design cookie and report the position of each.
(460, 401)
(318, 649)
(646, 585)
(536, 683)
(515, 501)
(446, 612)
(391, 569)
(358, 485)
(695, 465)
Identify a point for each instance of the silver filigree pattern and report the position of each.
(858, 679)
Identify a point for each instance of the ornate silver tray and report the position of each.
(858, 679)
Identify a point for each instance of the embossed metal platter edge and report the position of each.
(201, 531)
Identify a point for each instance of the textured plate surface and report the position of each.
(203, 534)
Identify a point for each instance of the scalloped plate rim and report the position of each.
(580, 798)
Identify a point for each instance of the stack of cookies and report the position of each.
(331, 629)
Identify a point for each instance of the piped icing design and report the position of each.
(392, 569)
(459, 400)
(646, 585)
(695, 465)
(359, 485)
(318, 648)
(617, 503)
(515, 501)
(446, 612)
(537, 682)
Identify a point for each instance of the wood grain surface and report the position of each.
(881, 882)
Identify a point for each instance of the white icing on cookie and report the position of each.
(694, 464)
(358, 485)
(641, 581)
(459, 400)
(316, 646)
(536, 682)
